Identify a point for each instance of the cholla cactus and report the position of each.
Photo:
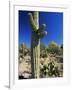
(37, 33)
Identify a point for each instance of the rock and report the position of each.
(26, 75)
(20, 60)
(27, 57)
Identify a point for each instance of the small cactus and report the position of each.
(37, 33)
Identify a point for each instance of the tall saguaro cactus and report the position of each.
(37, 33)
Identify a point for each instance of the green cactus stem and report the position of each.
(37, 33)
(42, 28)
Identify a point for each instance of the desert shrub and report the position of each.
(61, 50)
(50, 70)
(43, 50)
(53, 69)
(26, 52)
(54, 48)
(23, 50)
(42, 46)
(43, 54)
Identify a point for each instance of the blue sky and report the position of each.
(54, 27)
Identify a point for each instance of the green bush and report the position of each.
(54, 48)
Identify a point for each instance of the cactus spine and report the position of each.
(37, 33)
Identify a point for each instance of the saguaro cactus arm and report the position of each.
(42, 34)
(40, 31)
(42, 28)
(33, 26)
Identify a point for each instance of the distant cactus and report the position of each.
(37, 33)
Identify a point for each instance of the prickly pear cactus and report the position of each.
(37, 33)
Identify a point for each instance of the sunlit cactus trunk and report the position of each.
(37, 33)
(35, 48)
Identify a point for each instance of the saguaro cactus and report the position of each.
(37, 33)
